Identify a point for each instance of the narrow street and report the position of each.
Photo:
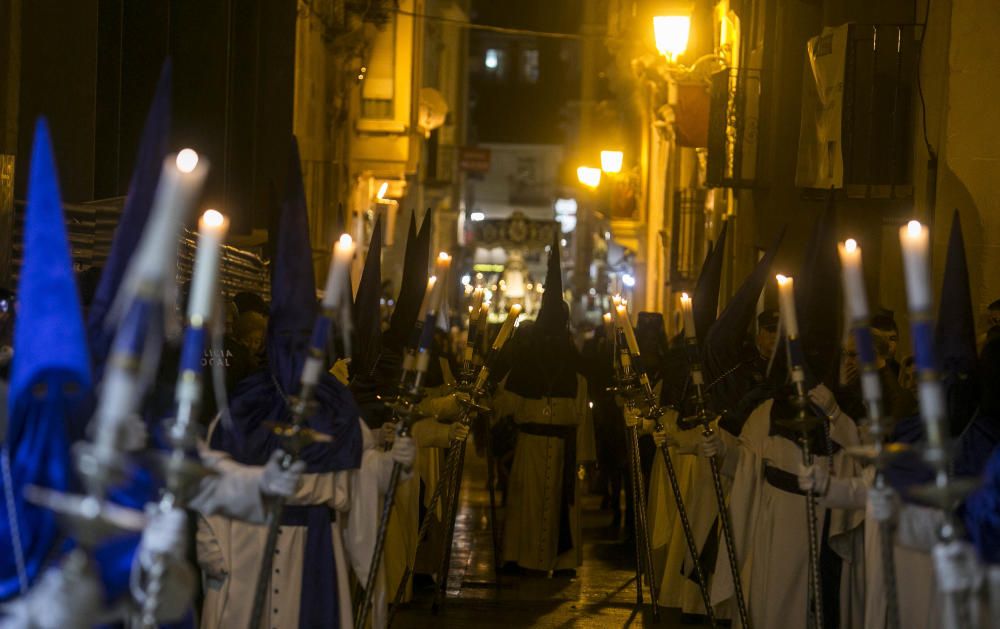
(601, 595)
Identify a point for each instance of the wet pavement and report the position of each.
(603, 594)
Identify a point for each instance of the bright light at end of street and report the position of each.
(477, 216)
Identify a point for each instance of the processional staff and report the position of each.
(698, 380)
(804, 425)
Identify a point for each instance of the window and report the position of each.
(529, 65)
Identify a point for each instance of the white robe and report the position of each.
(670, 550)
(229, 552)
(531, 528)
(770, 530)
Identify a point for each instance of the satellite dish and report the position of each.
(433, 110)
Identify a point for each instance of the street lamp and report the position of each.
(589, 176)
(671, 33)
(611, 161)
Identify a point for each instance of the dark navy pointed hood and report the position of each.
(413, 284)
(705, 304)
(368, 308)
(293, 284)
(153, 149)
(50, 375)
(552, 315)
(955, 336)
(723, 352)
(818, 302)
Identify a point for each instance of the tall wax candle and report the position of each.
(688, 313)
(339, 275)
(914, 239)
(626, 326)
(786, 303)
(212, 228)
(507, 327)
(853, 279)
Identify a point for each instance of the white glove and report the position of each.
(632, 415)
(881, 503)
(662, 438)
(823, 399)
(814, 478)
(458, 432)
(56, 602)
(956, 567)
(279, 482)
(404, 451)
(388, 432)
(164, 535)
(711, 446)
(133, 434)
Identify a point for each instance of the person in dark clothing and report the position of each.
(884, 321)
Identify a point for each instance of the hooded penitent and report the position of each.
(50, 379)
(547, 365)
(955, 336)
(368, 356)
(728, 371)
(651, 335)
(263, 398)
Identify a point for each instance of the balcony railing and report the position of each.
(688, 250)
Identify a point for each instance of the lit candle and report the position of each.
(507, 327)
(477, 303)
(688, 313)
(786, 302)
(853, 279)
(914, 238)
(339, 274)
(212, 228)
(181, 180)
(626, 325)
(441, 265)
(609, 327)
(425, 305)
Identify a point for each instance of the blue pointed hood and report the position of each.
(50, 375)
(955, 336)
(293, 283)
(412, 285)
(152, 151)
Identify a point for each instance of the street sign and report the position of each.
(473, 159)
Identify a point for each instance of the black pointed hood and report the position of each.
(817, 301)
(412, 285)
(705, 302)
(723, 351)
(367, 308)
(293, 284)
(955, 336)
(553, 315)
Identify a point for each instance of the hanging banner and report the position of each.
(820, 157)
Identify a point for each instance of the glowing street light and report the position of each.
(671, 33)
(611, 161)
(589, 176)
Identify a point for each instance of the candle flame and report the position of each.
(382, 190)
(213, 218)
(444, 256)
(607, 317)
(851, 245)
(913, 228)
(515, 310)
(782, 279)
(345, 240)
(431, 281)
(685, 297)
(187, 160)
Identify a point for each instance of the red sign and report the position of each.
(473, 159)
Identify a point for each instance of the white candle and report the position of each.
(425, 305)
(609, 327)
(688, 313)
(853, 279)
(507, 327)
(181, 180)
(339, 274)
(441, 265)
(626, 325)
(212, 228)
(786, 302)
(914, 238)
